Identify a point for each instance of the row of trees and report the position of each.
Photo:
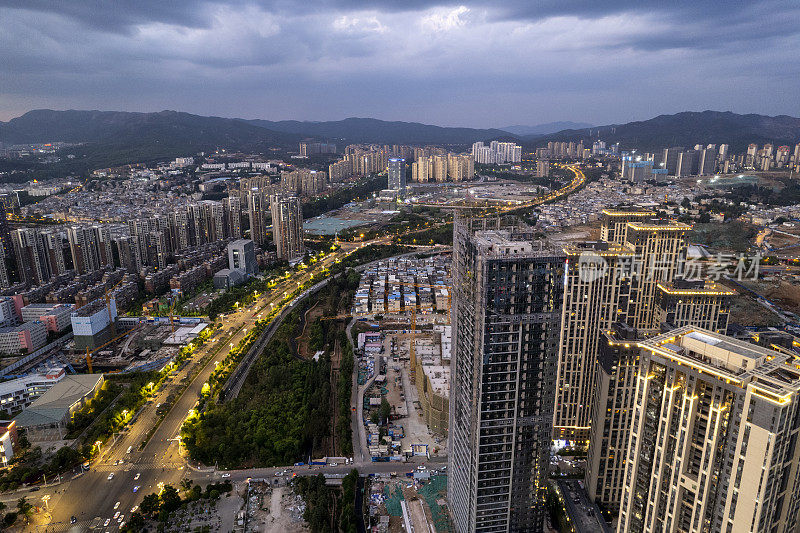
(438, 235)
(283, 413)
(159, 506)
(328, 509)
(243, 294)
(344, 388)
(280, 415)
(30, 465)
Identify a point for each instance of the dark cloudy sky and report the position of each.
(472, 64)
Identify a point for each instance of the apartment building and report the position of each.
(713, 443)
(506, 312)
(596, 291)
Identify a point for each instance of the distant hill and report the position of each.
(116, 137)
(543, 129)
(687, 129)
(370, 130)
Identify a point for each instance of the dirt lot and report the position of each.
(586, 232)
(284, 515)
(782, 293)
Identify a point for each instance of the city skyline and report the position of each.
(477, 66)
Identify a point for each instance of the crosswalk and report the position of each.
(141, 464)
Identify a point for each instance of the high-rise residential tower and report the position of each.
(596, 292)
(397, 174)
(232, 217)
(701, 303)
(287, 226)
(660, 248)
(713, 442)
(34, 269)
(614, 222)
(506, 313)
(680, 303)
(258, 208)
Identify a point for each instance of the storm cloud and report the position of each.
(473, 64)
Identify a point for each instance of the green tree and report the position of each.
(25, 508)
(150, 504)
(135, 523)
(385, 410)
(170, 499)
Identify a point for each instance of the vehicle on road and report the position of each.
(422, 467)
(121, 518)
(129, 449)
(34, 489)
(108, 521)
(111, 476)
(134, 509)
(136, 488)
(136, 476)
(116, 506)
(334, 464)
(226, 475)
(116, 515)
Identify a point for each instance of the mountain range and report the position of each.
(687, 129)
(544, 129)
(119, 137)
(116, 137)
(370, 130)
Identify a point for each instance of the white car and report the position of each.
(116, 515)
(108, 521)
(111, 476)
(136, 476)
(226, 475)
(121, 518)
(134, 509)
(116, 506)
(334, 464)
(422, 467)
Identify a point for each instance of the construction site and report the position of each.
(404, 357)
(415, 502)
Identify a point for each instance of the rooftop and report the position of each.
(774, 374)
(627, 213)
(504, 242)
(710, 288)
(660, 226)
(55, 404)
(600, 248)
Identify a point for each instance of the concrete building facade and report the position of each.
(506, 314)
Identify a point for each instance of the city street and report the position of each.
(93, 494)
